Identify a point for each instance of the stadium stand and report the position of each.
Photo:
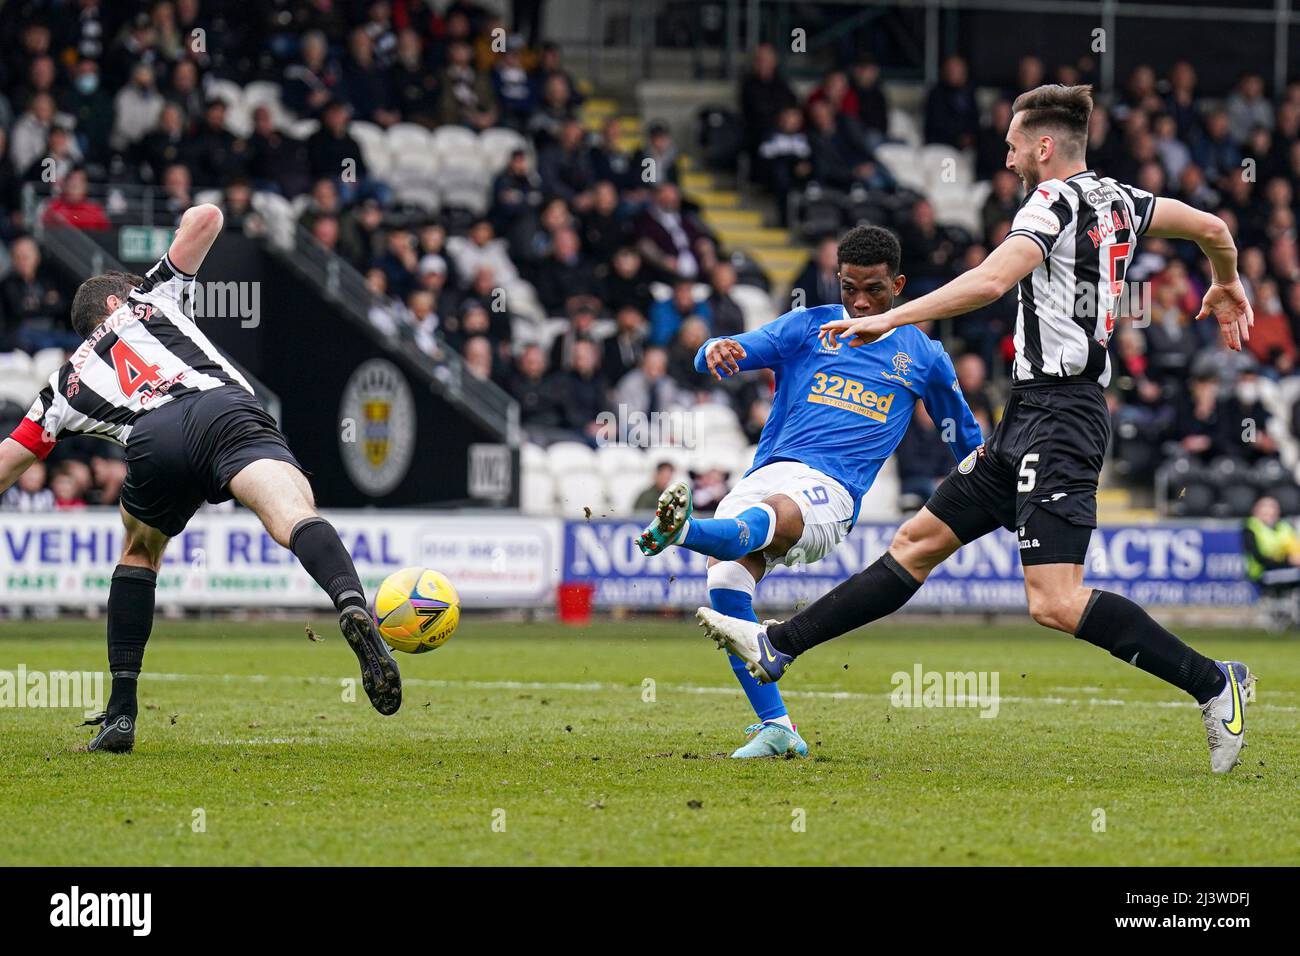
(493, 208)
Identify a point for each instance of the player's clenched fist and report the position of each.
(724, 355)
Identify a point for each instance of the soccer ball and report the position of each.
(417, 610)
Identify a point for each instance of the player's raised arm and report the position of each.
(1010, 262)
(1225, 298)
(763, 348)
(14, 460)
(199, 228)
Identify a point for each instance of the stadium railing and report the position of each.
(286, 240)
(82, 257)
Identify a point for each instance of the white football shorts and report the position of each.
(826, 505)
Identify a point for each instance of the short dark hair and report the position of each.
(869, 246)
(1061, 110)
(88, 308)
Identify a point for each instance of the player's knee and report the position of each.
(915, 549)
(1050, 610)
(143, 551)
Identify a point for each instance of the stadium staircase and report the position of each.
(738, 220)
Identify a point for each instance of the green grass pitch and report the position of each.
(536, 744)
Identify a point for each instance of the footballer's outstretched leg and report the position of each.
(130, 621)
(731, 592)
(281, 497)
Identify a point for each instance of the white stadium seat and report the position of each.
(301, 129)
(755, 304)
(456, 141)
(577, 491)
(945, 165)
(904, 162)
(46, 362)
(537, 493)
(496, 145)
(567, 456)
(623, 459)
(903, 126)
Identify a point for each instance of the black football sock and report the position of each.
(878, 591)
(130, 621)
(1118, 625)
(320, 550)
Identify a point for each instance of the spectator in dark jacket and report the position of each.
(951, 115)
(764, 93)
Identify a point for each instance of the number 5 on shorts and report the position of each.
(1028, 476)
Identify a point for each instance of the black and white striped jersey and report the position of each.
(146, 354)
(1088, 227)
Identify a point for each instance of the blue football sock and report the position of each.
(731, 538)
(764, 698)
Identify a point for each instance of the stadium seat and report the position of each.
(755, 304)
(208, 196)
(537, 493)
(374, 147)
(532, 457)
(411, 146)
(578, 491)
(623, 459)
(946, 165)
(904, 162)
(622, 490)
(496, 145)
(302, 128)
(279, 216)
(456, 141)
(46, 362)
(568, 456)
(228, 91)
(955, 206)
(880, 503)
(904, 127)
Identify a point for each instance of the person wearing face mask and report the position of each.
(87, 102)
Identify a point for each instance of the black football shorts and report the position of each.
(186, 452)
(1038, 475)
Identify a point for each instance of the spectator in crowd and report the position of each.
(72, 207)
(786, 158)
(1272, 549)
(467, 97)
(34, 311)
(764, 95)
(647, 389)
(135, 108)
(728, 316)
(625, 282)
(623, 349)
(543, 401)
(667, 316)
(313, 83)
(1204, 430)
(585, 390)
(923, 459)
(671, 241)
(951, 115)
(819, 282)
(873, 110)
(29, 493)
(648, 499)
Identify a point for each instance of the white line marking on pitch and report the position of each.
(680, 688)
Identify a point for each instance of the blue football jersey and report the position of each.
(844, 410)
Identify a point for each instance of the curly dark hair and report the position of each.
(869, 246)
